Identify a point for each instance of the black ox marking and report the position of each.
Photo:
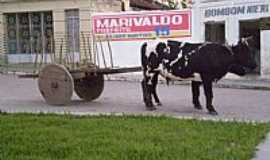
(176, 60)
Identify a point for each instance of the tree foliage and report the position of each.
(265, 23)
(175, 5)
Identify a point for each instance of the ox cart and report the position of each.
(59, 74)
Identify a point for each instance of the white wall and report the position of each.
(1, 30)
(265, 52)
(126, 53)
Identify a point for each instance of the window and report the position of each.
(215, 32)
(73, 30)
(29, 32)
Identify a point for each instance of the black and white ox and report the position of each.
(204, 63)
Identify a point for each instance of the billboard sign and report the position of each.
(142, 25)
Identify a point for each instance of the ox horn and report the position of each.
(244, 39)
(249, 38)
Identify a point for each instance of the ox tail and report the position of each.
(143, 56)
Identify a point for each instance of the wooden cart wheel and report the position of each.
(90, 87)
(55, 84)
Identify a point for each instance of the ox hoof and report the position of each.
(213, 113)
(151, 108)
(159, 104)
(149, 104)
(198, 106)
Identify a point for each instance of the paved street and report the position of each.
(22, 95)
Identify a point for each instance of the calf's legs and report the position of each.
(154, 82)
(195, 88)
(149, 85)
(147, 95)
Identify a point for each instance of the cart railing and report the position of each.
(59, 48)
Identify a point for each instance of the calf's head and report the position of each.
(161, 50)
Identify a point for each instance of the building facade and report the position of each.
(36, 26)
(41, 27)
(226, 21)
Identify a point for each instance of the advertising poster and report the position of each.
(141, 25)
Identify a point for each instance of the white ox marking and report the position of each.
(165, 74)
(179, 56)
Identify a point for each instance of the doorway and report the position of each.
(252, 28)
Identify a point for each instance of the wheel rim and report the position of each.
(56, 84)
(90, 87)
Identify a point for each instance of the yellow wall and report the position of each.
(58, 7)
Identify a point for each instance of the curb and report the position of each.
(263, 149)
(254, 84)
(242, 85)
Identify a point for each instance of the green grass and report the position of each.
(52, 137)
